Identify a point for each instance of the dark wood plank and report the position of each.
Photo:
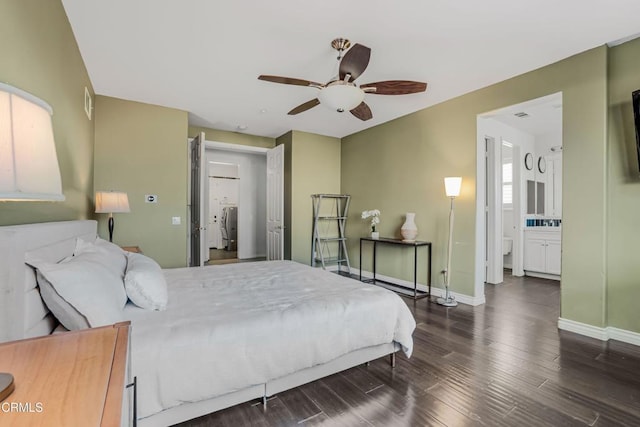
(301, 407)
(372, 410)
(335, 408)
(276, 413)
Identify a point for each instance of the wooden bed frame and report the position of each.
(23, 314)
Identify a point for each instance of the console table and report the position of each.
(400, 289)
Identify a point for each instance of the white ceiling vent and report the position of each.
(521, 114)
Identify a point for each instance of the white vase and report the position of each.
(409, 230)
(375, 235)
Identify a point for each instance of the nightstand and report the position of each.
(134, 249)
(74, 378)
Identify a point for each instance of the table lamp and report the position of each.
(112, 202)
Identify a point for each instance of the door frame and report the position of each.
(480, 249)
(225, 146)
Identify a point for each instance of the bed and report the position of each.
(230, 333)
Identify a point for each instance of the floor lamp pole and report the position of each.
(448, 300)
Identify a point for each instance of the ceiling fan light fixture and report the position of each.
(341, 97)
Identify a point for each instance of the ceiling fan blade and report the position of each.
(304, 107)
(395, 87)
(355, 61)
(362, 111)
(289, 81)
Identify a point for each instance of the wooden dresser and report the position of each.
(69, 379)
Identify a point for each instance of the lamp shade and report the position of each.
(28, 162)
(341, 97)
(452, 186)
(112, 202)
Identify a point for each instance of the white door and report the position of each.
(517, 268)
(199, 253)
(275, 203)
(553, 257)
(494, 231)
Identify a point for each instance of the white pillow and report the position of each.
(145, 283)
(112, 256)
(66, 314)
(92, 288)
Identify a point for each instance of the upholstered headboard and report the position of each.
(22, 311)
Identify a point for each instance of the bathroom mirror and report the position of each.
(535, 197)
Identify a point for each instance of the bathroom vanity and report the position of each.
(543, 230)
(542, 251)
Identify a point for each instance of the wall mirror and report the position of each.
(535, 197)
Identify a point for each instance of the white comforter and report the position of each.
(231, 326)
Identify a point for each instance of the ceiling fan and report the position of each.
(341, 93)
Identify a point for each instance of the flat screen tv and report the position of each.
(636, 114)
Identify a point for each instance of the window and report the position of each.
(507, 184)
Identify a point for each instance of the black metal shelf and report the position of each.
(327, 208)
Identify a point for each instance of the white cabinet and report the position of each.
(553, 257)
(542, 250)
(535, 254)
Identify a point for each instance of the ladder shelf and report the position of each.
(328, 240)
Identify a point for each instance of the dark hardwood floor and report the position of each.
(504, 363)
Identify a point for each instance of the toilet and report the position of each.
(507, 245)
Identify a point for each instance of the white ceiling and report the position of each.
(544, 115)
(204, 56)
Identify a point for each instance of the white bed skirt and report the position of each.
(192, 410)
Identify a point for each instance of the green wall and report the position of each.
(233, 137)
(399, 167)
(40, 56)
(312, 165)
(142, 149)
(623, 272)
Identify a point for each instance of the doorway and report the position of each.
(519, 200)
(222, 224)
(236, 203)
(259, 205)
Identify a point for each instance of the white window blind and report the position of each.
(507, 184)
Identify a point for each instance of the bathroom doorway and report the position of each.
(519, 176)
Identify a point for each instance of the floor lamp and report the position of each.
(111, 202)
(452, 189)
(29, 168)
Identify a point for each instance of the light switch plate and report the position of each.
(175, 220)
(151, 198)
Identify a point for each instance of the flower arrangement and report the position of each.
(374, 214)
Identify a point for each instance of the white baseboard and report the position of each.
(602, 334)
(624, 335)
(461, 298)
(542, 275)
(583, 329)
(438, 292)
